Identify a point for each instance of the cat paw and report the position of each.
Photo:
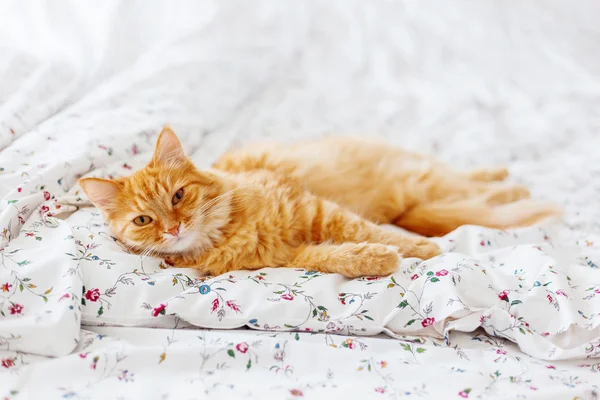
(178, 260)
(507, 194)
(423, 249)
(489, 174)
(384, 259)
(372, 259)
(172, 261)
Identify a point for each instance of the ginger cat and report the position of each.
(278, 206)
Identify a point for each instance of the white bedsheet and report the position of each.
(471, 83)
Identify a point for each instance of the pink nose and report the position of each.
(174, 230)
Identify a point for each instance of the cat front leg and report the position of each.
(341, 225)
(349, 259)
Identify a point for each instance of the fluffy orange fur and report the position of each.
(312, 205)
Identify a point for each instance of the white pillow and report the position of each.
(514, 285)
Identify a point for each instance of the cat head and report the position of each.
(167, 207)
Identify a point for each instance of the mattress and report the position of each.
(501, 314)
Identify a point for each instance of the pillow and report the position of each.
(512, 284)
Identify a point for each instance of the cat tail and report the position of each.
(438, 219)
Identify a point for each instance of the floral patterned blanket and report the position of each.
(499, 315)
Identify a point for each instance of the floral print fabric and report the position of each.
(239, 364)
(535, 291)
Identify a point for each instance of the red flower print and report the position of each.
(215, 305)
(383, 364)
(372, 278)
(442, 272)
(46, 196)
(414, 277)
(380, 389)
(29, 234)
(15, 309)
(8, 362)
(464, 393)
(83, 355)
(93, 294)
(19, 190)
(5, 287)
(287, 296)
(533, 388)
(549, 299)
(231, 304)
(242, 347)
(159, 310)
(259, 277)
(500, 351)
(546, 334)
(349, 344)
(44, 210)
(561, 293)
(550, 367)
(427, 322)
(135, 150)
(503, 295)
(296, 393)
(280, 355)
(482, 243)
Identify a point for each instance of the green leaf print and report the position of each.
(403, 304)
(231, 353)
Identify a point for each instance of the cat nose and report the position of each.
(174, 230)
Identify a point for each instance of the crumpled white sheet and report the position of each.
(464, 82)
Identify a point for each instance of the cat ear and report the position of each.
(168, 148)
(101, 192)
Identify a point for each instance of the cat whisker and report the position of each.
(149, 250)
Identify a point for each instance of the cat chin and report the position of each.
(180, 245)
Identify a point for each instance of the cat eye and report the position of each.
(142, 220)
(177, 197)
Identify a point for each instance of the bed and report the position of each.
(85, 90)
